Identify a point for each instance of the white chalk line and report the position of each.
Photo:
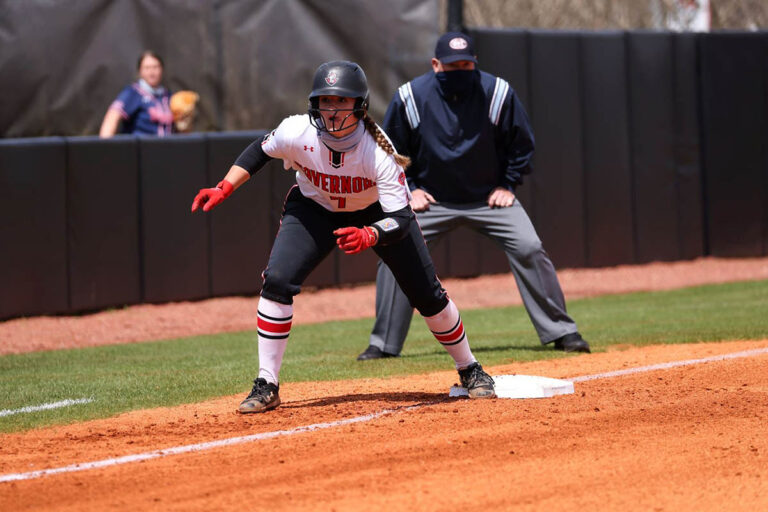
(45, 407)
(320, 426)
(190, 448)
(673, 364)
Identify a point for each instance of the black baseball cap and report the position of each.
(454, 46)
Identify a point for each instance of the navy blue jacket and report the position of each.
(461, 148)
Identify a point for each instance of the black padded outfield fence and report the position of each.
(650, 147)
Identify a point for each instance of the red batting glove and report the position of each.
(210, 197)
(353, 240)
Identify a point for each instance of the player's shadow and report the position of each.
(391, 400)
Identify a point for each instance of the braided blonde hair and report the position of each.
(383, 142)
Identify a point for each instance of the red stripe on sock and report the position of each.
(265, 325)
(453, 336)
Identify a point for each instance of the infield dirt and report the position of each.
(685, 438)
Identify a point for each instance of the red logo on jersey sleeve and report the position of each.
(401, 178)
(267, 137)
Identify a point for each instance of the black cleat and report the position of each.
(374, 353)
(263, 397)
(477, 383)
(572, 343)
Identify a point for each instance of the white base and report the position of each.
(523, 386)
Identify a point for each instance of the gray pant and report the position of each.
(513, 231)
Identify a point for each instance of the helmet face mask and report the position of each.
(338, 78)
(344, 118)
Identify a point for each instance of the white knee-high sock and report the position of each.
(448, 328)
(274, 326)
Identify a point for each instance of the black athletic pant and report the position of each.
(306, 237)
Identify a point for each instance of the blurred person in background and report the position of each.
(142, 107)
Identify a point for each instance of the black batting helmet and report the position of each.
(338, 78)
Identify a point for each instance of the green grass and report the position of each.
(132, 376)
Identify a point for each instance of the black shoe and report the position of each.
(572, 343)
(477, 383)
(373, 353)
(263, 397)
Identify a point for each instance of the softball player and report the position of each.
(351, 193)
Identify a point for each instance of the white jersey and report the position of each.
(340, 182)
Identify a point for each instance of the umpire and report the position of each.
(470, 143)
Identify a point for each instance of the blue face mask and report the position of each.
(457, 83)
